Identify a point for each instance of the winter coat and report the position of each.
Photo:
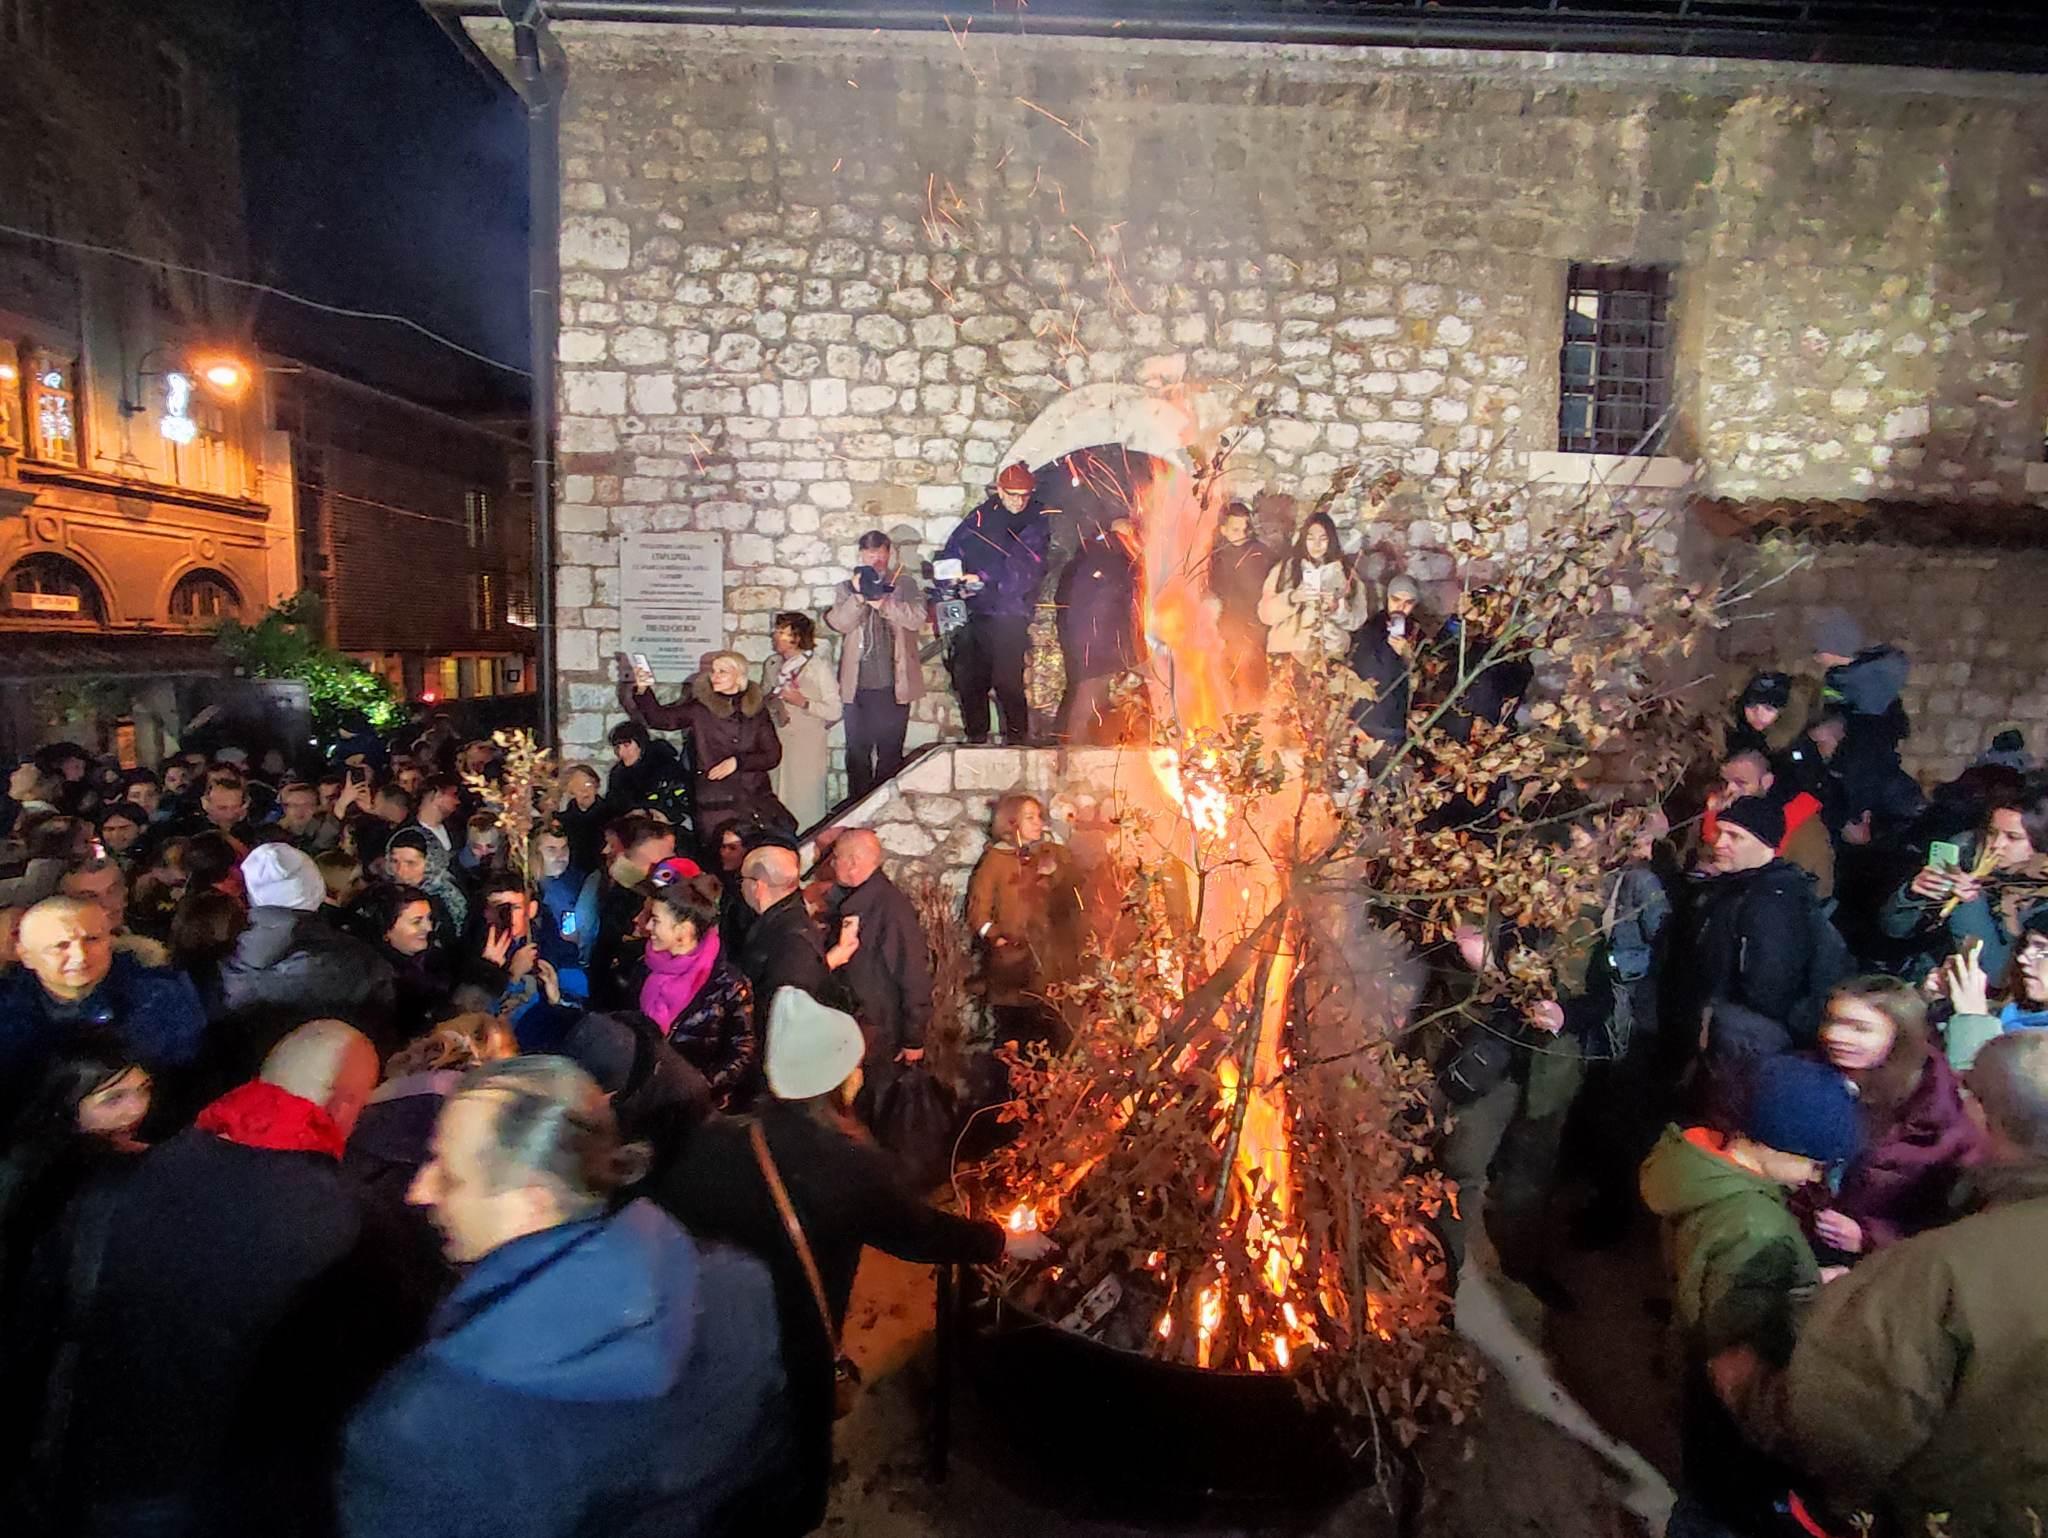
(847, 1193)
(1376, 660)
(1739, 1265)
(288, 967)
(1237, 580)
(611, 1377)
(390, 1142)
(1904, 1179)
(719, 727)
(155, 1012)
(1806, 844)
(890, 976)
(1029, 900)
(1749, 944)
(904, 611)
(235, 1316)
(1991, 916)
(1097, 601)
(1965, 1035)
(585, 830)
(783, 950)
(631, 786)
(1289, 612)
(806, 734)
(1008, 552)
(717, 1035)
(1916, 1384)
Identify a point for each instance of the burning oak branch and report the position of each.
(1235, 1152)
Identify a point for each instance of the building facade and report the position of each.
(816, 281)
(415, 529)
(143, 493)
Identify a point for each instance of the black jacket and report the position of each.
(784, 950)
(890, 976)
(1374, 659)
(289, 967)
(1748, 943)
(1097, 599)
(234, 1319)
(1237, 577)
(630, 786)
(847, 1193)
(717, 1035)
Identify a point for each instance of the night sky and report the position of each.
(384, 170)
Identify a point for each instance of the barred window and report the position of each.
(1614, 368)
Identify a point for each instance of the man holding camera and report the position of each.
(880, 613)
(1001, 547)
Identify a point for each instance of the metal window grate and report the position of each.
(1614, 367)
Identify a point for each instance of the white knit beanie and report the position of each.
(812, 1049)
(280, 876)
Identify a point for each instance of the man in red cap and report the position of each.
(1001, 547)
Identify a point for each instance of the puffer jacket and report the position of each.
(289, 962)
(1739, 1265)
(715, 1034)
(719, 727)
(1904, 1180)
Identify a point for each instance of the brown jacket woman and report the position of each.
(725, 728)
(1024, 907)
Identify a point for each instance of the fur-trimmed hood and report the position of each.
(751, 702)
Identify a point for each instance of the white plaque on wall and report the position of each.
(672, 599)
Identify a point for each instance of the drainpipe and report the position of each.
(540, 89)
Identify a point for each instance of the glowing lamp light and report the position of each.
(176, 423)
(225, 375)
(9, 373)
(428, 696)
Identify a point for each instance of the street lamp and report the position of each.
(224, 375)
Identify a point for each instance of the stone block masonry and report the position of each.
(815, 282)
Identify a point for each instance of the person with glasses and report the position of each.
(1975, 1022)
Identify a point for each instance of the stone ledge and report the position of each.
(1647, 472)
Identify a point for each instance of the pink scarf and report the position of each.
(672, 981)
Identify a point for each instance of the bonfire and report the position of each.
(1234, 1153)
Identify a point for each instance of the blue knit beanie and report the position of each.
(1800, 1106)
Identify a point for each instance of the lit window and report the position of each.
(1614, 367)
(203, 599)
(449, 677)
(476, 518)
(52, 407)
(483, 601)
(49, 587)
(10, 396)
(486, 675)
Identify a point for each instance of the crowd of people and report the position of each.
(1803, 1032)
(359, 1178)
(333, 1144)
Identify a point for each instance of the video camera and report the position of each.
(948, 586)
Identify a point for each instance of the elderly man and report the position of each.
(1915, 1386)
(881, 614)
(784, 948)
(635, 1377)
(72, 979)
(1002, 547)
(227, 1326)
(890, 974)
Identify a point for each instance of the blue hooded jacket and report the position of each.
(606, 1377)
(1007, 552)
(155, 1012)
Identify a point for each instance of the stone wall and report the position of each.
(1976, 637)
(817, 281)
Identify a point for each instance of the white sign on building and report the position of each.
(672, 599)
